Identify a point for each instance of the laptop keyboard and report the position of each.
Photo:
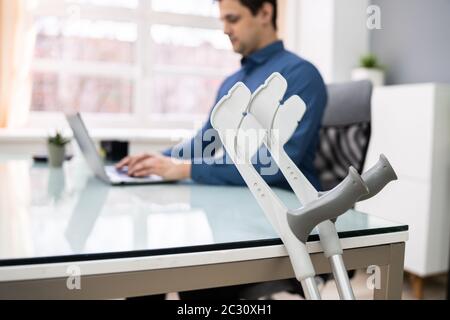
(122, 176)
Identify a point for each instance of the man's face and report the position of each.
(239, 24)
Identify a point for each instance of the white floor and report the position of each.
(435, 289)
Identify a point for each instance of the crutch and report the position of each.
(280, 123)
(231, 123)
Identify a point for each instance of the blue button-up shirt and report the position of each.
(303, 80)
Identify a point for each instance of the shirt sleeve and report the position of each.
(305, 81)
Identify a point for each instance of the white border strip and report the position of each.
(102, 267)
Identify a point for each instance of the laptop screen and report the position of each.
(86, 145)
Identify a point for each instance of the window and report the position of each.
(129, 57)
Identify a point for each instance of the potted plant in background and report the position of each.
(56, 146)
(369, 69)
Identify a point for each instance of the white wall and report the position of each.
(315, 40)
(351, 36)
(332, 34)
(413, 43)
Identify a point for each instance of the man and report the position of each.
(252, 29)
(251, 26)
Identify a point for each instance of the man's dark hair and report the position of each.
(256, 5)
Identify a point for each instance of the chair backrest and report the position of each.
(345, 132)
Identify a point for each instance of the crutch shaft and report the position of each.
(310, 289)
(341, 277)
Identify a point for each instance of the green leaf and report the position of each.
(58, 139)
(369, 61)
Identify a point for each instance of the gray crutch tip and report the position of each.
(328, 207)
(378, 177)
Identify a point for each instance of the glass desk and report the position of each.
(136, 240)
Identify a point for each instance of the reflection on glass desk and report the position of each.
(64, 215)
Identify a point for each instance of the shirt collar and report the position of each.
(262, 55)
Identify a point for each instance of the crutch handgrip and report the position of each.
(330, 206)
(378, 177)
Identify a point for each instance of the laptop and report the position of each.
(108, 174)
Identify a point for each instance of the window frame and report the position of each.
(141, 72)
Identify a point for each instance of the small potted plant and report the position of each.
(56, 146)
(369, 69)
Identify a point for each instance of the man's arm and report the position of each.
(175, 163)
(306, 82)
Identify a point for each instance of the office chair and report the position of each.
(344, 141)
(345, 132)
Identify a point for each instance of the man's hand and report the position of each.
(148, 164)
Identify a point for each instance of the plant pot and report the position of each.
(376, 76)
(56, 155)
